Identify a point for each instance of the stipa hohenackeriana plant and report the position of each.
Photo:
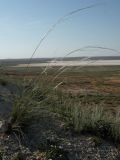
(94, 119)
(115, 126)
(22, 112)
(86, 116)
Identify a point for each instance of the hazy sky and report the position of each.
(24, 22)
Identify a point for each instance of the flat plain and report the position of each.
(67, 111)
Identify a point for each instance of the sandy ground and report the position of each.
(74, 63)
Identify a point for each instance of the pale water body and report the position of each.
(74, 63)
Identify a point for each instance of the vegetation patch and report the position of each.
(1, 154)
(56, 153)
(82, 113)
(3, 82)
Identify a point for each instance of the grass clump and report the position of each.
(95, 120)
(115, 127)
(38, 94)
(1, 154)
(97, 141)
(18, 156)
(3, 82)
(56, 153)
(22, 113)
(86, 118)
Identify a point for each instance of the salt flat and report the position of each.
(74, 63)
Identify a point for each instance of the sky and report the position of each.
(24, 22)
